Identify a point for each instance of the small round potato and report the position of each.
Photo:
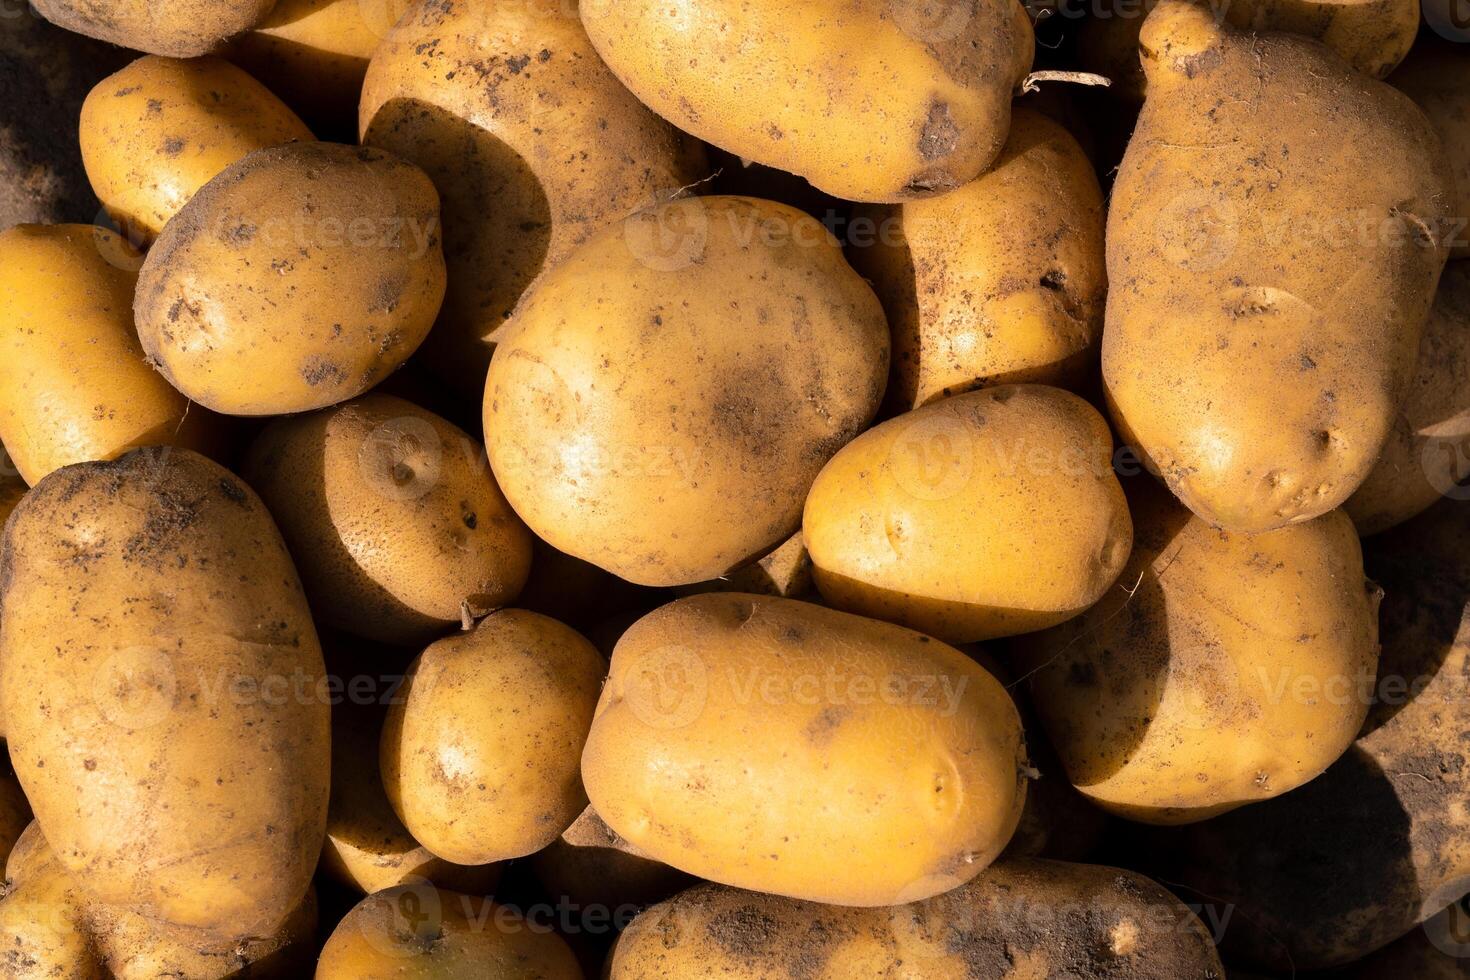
(480, 751)
(176, 28)
(988, 514)
(160, 129)
(1224, 669)
(661, 414)
(298, 278)
(398, 528)
(787, 748)
(74, 385)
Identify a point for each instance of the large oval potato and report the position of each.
(299, 277)
(158, 672)
(1436, 76)
(480, 752)
(1000, 281)
(176, 28)
(662, 415)
(74, 384)
(893, 766)
(1264, 643)
(160, 129)
(987, 514)
(396, 523)
(532, 142)
(1020, 918)
(1268, 283)
(870, 100)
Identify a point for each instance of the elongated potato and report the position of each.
(176, 28)
(987, 514)
(1268, 283)
(1008, 922)
(160, 129)
(715, 384)
(870, 100)
(533, 144)
(74, 384)
(177, 763)
(1437, 77)
(298, 278)
(900, 771)
(1000, 281)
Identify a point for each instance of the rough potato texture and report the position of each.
(988, 514)
(43, 929)
(1020, 918)
(1437, 77)
(533, 144)
(159, 671)
(176, 28)
(894, 767)
(396, 523)
(299, 277)
(1268, 282)
(1000, 281)
(1364, 853)
(1264, 643)
(870, 100)
(160, 129)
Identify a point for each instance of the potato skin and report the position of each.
(74, 384)
(901, 765)
(298, 278)
(808, 102)
(43, 928)
(481, 750)
(1437, 77)
(189, 782)
(160, 129)
(175, 28)
(531, 140)
(988, 514)
(1059, 920)
(418, 932)
(713, 382)
(998, 282)
(398, 528)
(1227, 254)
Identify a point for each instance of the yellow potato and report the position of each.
(1437, 77)
(176, 28)
(670, 436)
(158, 670)
(782, 747)
(871, 100)
(398, 528)
(481, 748)
(1269, 276)
(532, 142)
(43, 927)
(1224, 669)
(1000, 281)
(74, 384)
(160, 129)
(987, 514)
(298, 278)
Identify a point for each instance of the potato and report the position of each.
(1000, 281)
(160, 129)
(987, 514)
(1263, 642)
(1437, 77)
(532, 142)
(895, 767)
(870, 100)
(298, 278)
(670, 436)
(589, 866)
(74, 385)
(418, 932)
(1434, 951)
(480, 751)
(1020, 918)
(1269, 277)
(43, 928)
(157, 674)
(1428, 453)
(176, 28)
(398, 528)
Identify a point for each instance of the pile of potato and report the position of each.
(755, 489)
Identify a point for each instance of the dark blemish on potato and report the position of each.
(233, 492)
(1204, 61)
(929, 183)
(467, 515)
(241, 234)
(543, 56)
(940, 135)
(173, 146)
(775, 132)
(820, 729)
(1054, 279)
(155, 107)
(387, 291)
(318, 370)
(744, 933)
(518, 63)
(1306, 362)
